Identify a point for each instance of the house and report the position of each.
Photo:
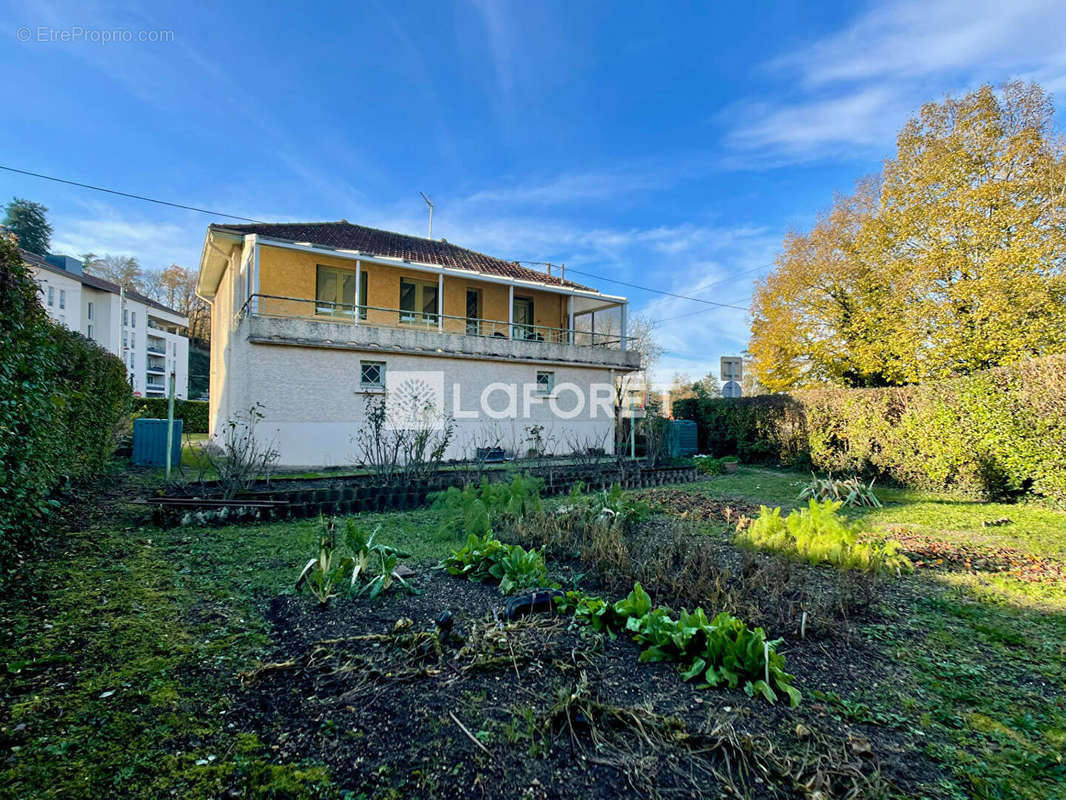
(314, 321)
(137, 329)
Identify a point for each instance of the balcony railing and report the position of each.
(266, 305)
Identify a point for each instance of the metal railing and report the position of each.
(269, 305)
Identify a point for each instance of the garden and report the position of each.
(756, 633)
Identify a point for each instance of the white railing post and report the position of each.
(570, 314)
(358, 279)
(440, 302)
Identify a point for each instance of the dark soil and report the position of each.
(556, 713)
(683, 504)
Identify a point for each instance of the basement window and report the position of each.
(372, 375)
(545, 382)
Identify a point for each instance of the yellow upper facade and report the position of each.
(278, 278)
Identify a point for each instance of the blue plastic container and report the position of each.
(150, 442)
(681, 437)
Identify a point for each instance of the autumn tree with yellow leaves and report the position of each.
(952, 260)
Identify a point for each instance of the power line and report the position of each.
(249, 219)
(656, 291)
(127, 194)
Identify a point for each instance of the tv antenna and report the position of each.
(430, 204)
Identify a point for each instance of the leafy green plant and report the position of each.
(708, 465)
(849, 491)
(485, 558)
(360, 566)
(817, 535)
(606, 506)
(716, 652)
(477, 508)
(590, 610)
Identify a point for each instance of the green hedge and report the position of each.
(193, 412)
(999, 433)
(63, 403)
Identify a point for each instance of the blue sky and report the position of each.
(665, 144)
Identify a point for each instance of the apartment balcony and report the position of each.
(270, 319)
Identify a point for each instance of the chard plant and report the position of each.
(722, 651)
(486, 559)
(359, 566)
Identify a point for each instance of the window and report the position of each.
(62, 298)
(545, 382)
(418, 302)
(62, 319)
(92, 334)
(473, 312)
(372, 374)
(523, 318)
(335, 292)
(125, 340)
(89, 312)
(133, 319)
(125, 317)
(51, 295)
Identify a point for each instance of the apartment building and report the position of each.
(143, 333)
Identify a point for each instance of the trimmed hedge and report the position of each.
(63, 403)
(193, 412)
(998, 434)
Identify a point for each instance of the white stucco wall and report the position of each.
(313, 403)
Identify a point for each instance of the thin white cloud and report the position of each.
(851, 90)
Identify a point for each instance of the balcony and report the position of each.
(272, 319)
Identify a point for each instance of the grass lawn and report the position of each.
(122, 644)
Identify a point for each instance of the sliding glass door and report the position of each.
(418, 303)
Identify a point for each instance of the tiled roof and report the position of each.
(94, 282)
(344, 235)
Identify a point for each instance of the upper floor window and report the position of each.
(51, 295)
(523, 318)
(91, 332)
(62, 298)
(418, 302)
(125, 317)
(89, 312)
(133, 319)
(335, 292)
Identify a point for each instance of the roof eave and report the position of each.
(213, 260)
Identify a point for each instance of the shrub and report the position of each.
(817, 535)
(708, 465)
(849, 491)
(999, 433)
(193, 413)
(63, 403)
